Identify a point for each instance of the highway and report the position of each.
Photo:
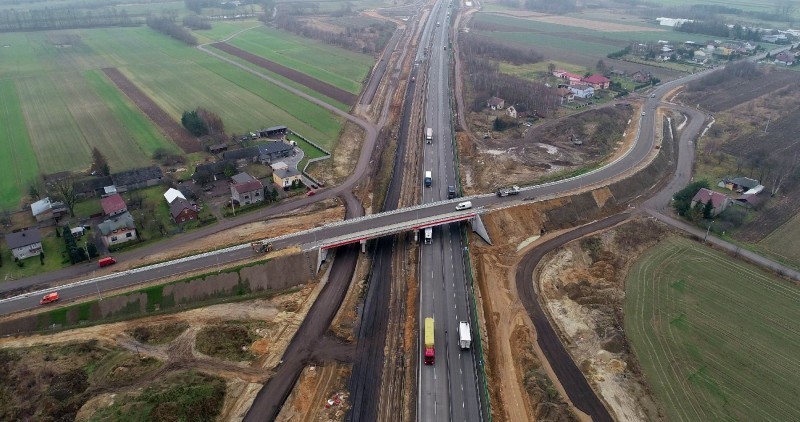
(448, 389)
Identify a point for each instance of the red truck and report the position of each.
(49, 298)
(104, 262)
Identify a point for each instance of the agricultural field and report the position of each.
(341, 68)
(717, 338)
(782, 242)
(15, 147)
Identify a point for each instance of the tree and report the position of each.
(194, 123)
(273, 194)
(696, 212)
(708, 210)
(202, 177)
(35, 189)
(601, 66)
(551, 68)
(92, 250)
(99, 162)
(41, 257)
(682, 200)
(64, 187)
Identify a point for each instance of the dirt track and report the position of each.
(171, 128)
(323, 88)
(570, 376)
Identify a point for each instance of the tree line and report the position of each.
(48, 19)
(743, 69)
(202, 122)
(720, 29)
(166, 25)
(486, 80)
(368, 40)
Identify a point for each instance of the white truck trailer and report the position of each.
(464, 335)
(428, 235)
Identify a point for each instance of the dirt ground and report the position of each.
(335, 170)
(583, 286)
(523, 155)
(522, 387)
(282, 316)
(320, 394)
(170, 127)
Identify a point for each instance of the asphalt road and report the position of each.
(448, 390)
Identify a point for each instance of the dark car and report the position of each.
(451, 192)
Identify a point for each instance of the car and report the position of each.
(311, 193)
(451, 192)
(49, 298)
(644, 114)
(652, 95)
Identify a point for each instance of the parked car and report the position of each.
(311, 193)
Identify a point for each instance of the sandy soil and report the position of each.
(583, 285)
(320, 394)
(335, 170)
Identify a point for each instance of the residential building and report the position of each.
(517, 111)
(641, 76)
(285, 177)
(565, 95)
(25, 243)
(571, 77)
(582, 91)
(137, 178)
(246, 189)
(597, 81)
(181, 210)
(785, 58)
(699, 56)
(118, 229)
(719, 201)
(495, 103)
(172, 194)
(280, 165)
(113, 205)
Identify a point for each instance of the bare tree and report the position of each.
(64, 188)
(35, 189)
(785, 167)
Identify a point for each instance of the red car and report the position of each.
(311, 193)
(49, 298)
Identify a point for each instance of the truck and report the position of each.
(49, 298)
(104, 262)
(428, 235)
(514, 190)
(428, 179)
(429, 135)
(464, 335)
(261, 247)
(430, 352)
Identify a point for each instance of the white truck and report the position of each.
(514, 190)
(428, 235)
(428, 179)
(464, 335)
(429, 135)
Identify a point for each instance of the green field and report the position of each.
(19, 160)
(717, 339)
(783, 241)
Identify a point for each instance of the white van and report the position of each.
(464, 205)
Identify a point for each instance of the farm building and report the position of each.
(249, 153)
(119, 229)
(137, 178)
(182, 210)
(216, 149)
(44, 210)
(113, 205)
(273, 132)
(24, 244)
(741, 185)
(269, 152)
(215, 170)
(285, 177)
(719, 201)
(93, 186)
(246, 189)
(565, 95)
(571, 77)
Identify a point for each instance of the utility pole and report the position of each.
(767, 126)
(708, 230)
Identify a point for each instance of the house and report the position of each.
(273, 132)
(137, 178)
(723, 51)
(44, 210)
(182, 210)
(280, 165)
(25, 243)
(565, 95)
(246, 189)
(563, 74)
(641, 76)
(272, 151)
(719, 201)
(582, 91)
(285, 177)
(250, 154)
(597, 81)
(785, 58)
(517, 111)
(172, 194)
(741, 184)
(699, 56)
(496, 103)
(118, 229)
(113, 205)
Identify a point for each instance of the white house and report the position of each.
(24, 244)
(582, 91)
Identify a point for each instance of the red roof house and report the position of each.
(113, 205)
(597, 81)
(719, 201)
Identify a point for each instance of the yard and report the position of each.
(53, 248)
(717, 338)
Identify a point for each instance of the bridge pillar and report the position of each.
(321, 255)
(363, 246)
(478, 227)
